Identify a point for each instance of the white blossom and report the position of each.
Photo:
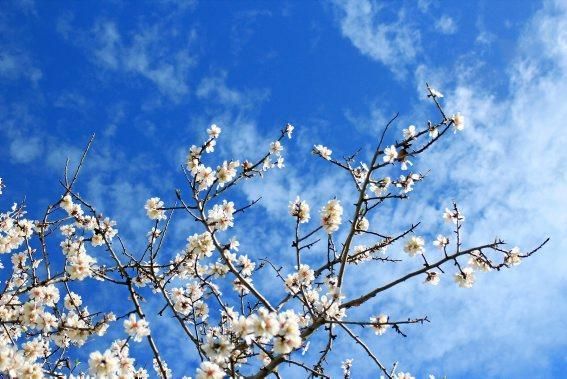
(362, 224)
(410, 132)
(380, 187)
(453, 216)
(218, 348)
(379, 324)
(137, 329)
(390, 154)
(300, 209)
(205, 177)
(209, 370)
(153, 210)
(79, 266)
(346, 365)
(414, 245)
(458, 122)
(214, 131)
(226, 172)
(289, 130)
(265, 324)
(441, 241)
(103, 365)
(221, 215)
(289, 336)
(72, 301)
(465, 279)
(435, 93)
(331, 215)
(276, 147)
(513, 257)
(322, 151)
(433, 132)
(478, 262)
(193, 159)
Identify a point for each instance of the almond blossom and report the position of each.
(300, 209)
(154, 209)
(331, 215)
(322, 151)
(137, 329)
(415, 245)
(248, 306)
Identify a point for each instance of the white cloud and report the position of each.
(424, 5)
(17, 64)
(214, 88)
(374, 121)
(446, 25)
(143, 53)
(72, 100)
(395, 43)
(485, 38)
(25, 150)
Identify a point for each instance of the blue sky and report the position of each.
(148, 79)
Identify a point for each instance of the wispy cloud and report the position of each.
(395, 42)
(25, 150)
(142, 53)
(15, 65)
(446, 25)
(214, 88)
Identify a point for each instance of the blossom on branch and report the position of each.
(415, 245)
(137, 329)
(300, 209)
(154, 209)
(322, 151)
(331, 215)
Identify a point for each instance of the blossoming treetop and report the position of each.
(246, 332)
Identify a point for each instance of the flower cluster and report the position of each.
(331, 215)
(221, 216)
(380, 187)
(115, 363)
(226, 172)
(513, 257)
(14, 230)
(202, 244)
(441, 241)
(465, 278)
(154, 209)
(302, 279)
(300, 209)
